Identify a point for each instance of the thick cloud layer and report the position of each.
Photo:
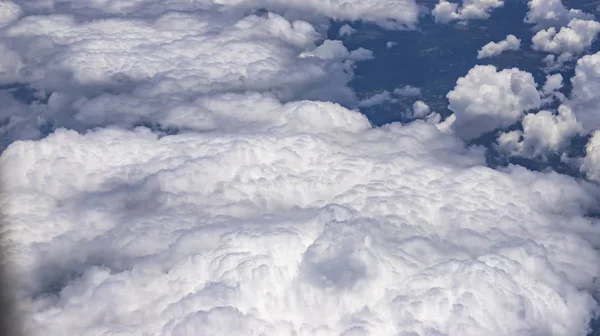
(492, 49)
(392, 230)
(394, 14)
(252, 205)
(487, 99)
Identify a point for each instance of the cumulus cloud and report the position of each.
(391, 14)
(176, 52)
(543, 133)
(496, 48)
(407, 91)
(257, 233)
(591, 162)
(164, 71)
(346, 30)
(270, 211)
(420, 109)
(569, 41)
(486, 99)
(552, 13)
(446, 12)
(584, 98)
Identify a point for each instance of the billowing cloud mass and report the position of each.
(261, 233)
(496, 48)
(552, 13)
(584, 99)
(195, 168)
(569, 41)
(591, 161)
(446, 12)
(486, 99)
(420, 109)
(543, 133)
(393, 14)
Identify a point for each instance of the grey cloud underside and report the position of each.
(275, 210)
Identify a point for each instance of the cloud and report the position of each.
(9, 12)
(407, 91)
(176, 53)
(591, 162)
(420, 109)
(446, 12)
(255, 233)
(584, 99)
(543, 133)
(552, 13)
(486, 99)
(159, 72)
(496, 48)
(270, 209)
(377, 99)
(569, 41)
(390, 14)
(346, 30)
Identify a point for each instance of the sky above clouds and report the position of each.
(210, 168)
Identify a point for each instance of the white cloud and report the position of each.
(269, 209)
(496, 48)
(234, 233)
(393, 14)
(346, 30)
(584, 99)
(591, 162)
(420, 109)
(543, 133)
(487, 99)
(390, 44)
(9, 12)
(162, 70)
(552, 13)
(446, 12)
(407, 91)
(176, 53)
(377, 99)
(571, 40)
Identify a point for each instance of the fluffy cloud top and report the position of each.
(591, 162)
(420, 109)
(543, 133)
(445, 11)
(269, 211)
(393, 14)
(496, 48)
(571, 40)
(261, 233)
(552, 13)
(585, 100)
(487, 99)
